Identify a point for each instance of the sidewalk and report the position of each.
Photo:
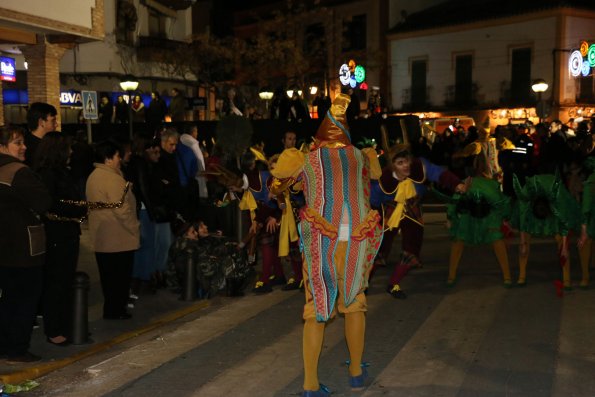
(150, 312)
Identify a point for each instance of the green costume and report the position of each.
(559, 212)
(476, 216)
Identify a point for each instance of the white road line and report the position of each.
(434, 362)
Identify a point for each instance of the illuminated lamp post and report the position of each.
(539, 86)
(266, 95)
(129, 84)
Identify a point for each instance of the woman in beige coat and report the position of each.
(114, 229)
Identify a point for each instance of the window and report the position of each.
(314, 40)
(585, 93)
(354, 33)
(418, 82)
(520, 80)
(156, 24)
(463, 79)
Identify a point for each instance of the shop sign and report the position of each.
(8, 70)
(72, 98)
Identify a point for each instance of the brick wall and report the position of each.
(43, 76)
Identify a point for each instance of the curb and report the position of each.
(45, 368)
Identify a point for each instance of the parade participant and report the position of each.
(588, 227)
(340, 236)
(265, 216)
(398, 192)
(484, 154)
(544, 208)
(476, 217)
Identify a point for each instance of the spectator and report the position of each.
(41, 119)
(62, 225)
(121, 110)
(138, 110)
(114, 229)
(23, 197)
(106, 110)
(156, 111)
(177, 106)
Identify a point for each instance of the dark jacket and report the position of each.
(23, 198)
(62, 186)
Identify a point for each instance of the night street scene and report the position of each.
(297, 198)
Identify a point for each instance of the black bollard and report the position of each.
(80, 318)
(189, 293)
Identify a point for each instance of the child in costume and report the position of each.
(339, 236)
(545, 208)
(398, 193)
(476, 217)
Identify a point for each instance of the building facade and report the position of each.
(91, 45)
(481, 58)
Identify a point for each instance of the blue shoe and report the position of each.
(322, 391)
(358, 382)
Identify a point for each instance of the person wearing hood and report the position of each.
(339, 234)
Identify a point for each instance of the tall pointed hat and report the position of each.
(333, 130)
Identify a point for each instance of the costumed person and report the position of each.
(265, 216)
(398, 192)
(290, 202)
(484, 154)
(476, 217)
(340, 235)
(588, 227)
(545, 208)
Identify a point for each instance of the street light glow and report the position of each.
(539, 85)
(129, 83)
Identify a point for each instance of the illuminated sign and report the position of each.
(581, 61)
(352, 74)
(70, 98)
(8, 71)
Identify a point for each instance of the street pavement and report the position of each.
(475, 339)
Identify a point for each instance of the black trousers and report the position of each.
(115, 272)
(21, 290)
(60, 265)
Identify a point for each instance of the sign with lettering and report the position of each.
(8, 71)
(71, 98)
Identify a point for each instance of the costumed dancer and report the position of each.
(398, 192)
(587, 228)
(340, 236)
(265, 216)
(476, 217)
(290, 201)
(545, 208)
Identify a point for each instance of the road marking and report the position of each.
(435, 363)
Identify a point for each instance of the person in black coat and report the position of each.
(62, 225)
(23, 198)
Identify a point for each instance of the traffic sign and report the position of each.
(90, 111)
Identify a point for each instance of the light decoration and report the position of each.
(584, 48)
(352, 74)
(360, 74)
(586, 68)
(591, 55)
(582, 61)
(575, 63)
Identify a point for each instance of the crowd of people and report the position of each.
(321, 217)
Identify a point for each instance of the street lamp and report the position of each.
(266, 95)
(539, 86)
(129, 84)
